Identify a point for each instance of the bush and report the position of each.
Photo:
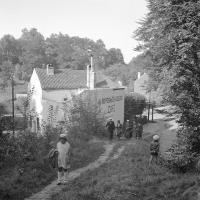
(179, 159)
(84, 118)
(134, 105)
(27, 146)
(181, 156)
(24, 167)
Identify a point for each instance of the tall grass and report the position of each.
(24, 169)
(131, 177)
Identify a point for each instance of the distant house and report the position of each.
(49, 89)
(141, 85)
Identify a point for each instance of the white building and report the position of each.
(50, 89)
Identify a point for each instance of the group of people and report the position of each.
(137, 129)
(127, 129)
(60, 156)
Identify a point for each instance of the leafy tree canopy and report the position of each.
(170, 34)
(33, 50)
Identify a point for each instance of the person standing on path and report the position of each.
(154, 149)
(140, 130)
(63, 148)
(110, 127)
(119, 129)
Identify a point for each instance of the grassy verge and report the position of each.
(130, 177)
(37, 174)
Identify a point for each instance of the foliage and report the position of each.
(180, 159)
(22, 105)
(9, 49)
(141, 63)
(115, 56)
(24, 167)
(119, 72)
(6, 72)
(62, 51)
(134, 104)
(84, 116)
(170, 34)
(127, 74)
(33, 49)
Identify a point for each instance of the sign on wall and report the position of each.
(110, 102)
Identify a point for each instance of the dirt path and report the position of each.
(52, 189)
(165, 126)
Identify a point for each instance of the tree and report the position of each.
(7, 70)
(141, 63)
(9, 49)
(33, 49)
(134, 104)
(59, 50)
(119, 72)
(170, 34)
(115, 56)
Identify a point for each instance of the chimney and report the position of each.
(92, 79)
(90, 75)
(139, 75)
(50, 70)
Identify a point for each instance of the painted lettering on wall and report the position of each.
(111, 99)
(111, 108)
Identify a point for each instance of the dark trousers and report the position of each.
(111, 133)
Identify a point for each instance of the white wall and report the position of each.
(54, 99)
(110, 102)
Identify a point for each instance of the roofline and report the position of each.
(116, 88)
(64, 88)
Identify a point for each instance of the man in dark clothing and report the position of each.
(110, 127)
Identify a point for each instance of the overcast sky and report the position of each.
(113, 21)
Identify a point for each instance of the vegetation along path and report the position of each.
(53, 188)
(113, 158)
(129, 176)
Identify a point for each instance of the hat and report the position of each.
(156, 137)
(63, 135)
(110, 118)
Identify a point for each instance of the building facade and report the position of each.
(49, 90)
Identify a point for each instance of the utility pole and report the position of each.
(152, 111)
(148, 110)
(149, 106)
(13, 105)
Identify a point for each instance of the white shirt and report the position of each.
(63, 150)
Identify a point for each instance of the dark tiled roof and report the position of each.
(71, 79)
(64, 79)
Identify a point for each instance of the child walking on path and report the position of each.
(63, 148)
(154, 149)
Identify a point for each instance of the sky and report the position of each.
(113, 21)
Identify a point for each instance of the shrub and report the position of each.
(180, 159)
(83, 118)
(182, 156)
(134, 105)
